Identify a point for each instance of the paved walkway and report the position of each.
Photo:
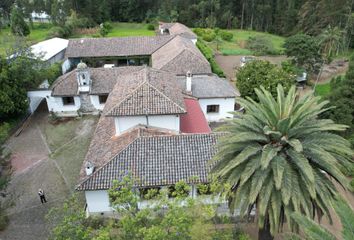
(33, 169)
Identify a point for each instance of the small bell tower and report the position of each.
(83, 77)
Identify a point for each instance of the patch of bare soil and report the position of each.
(230, 64)
(335, 68)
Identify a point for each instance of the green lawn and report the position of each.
(323, 89)
(237, 46)
(130, 29)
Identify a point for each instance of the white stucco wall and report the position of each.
(162, 121)
(35, 97)
(96, 102)
(55, 104)
(97, 201)
(226, 105)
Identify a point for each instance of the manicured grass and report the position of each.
(323, 89)
(237, 46)
(130, 29)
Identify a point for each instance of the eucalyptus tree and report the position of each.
(282, 158)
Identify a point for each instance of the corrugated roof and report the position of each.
(159, 161)
(49, 48)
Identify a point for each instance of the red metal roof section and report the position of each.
(193, 121)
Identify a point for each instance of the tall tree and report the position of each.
(281, 158)
(331, 41)
(18, 25)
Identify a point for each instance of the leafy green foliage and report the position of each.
(305, 50)
(261, 45)
(208, 54)
(150, 27)
(69, 221)
(227, 36)
(262, 73)
(279, 156)
(18, 25)
(342, 95)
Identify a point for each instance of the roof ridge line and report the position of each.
(172, 37)
(164, 95)
(110, 160)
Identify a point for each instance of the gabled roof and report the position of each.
(159, 161)
(182, 30)
(179, 56)
(145, 92)
(103, 80)
(49, 48)
(105, 145)
(194, 121)
(209, 86)
(115, 47)
(179, 29)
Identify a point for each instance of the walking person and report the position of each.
(42, 196)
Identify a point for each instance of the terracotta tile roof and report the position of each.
(194, 121)
(179, 56)
(209, 86)
(103, 80)
(123, 46)
(179, 29)
(158, 161)
(105, 145)
(182, 30)
(148, 91)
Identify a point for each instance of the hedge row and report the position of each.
(208, 53)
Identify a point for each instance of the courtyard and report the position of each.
(48, 154)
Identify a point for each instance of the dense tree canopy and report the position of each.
(18, 25)
(257, 73)
(305, 51)
(279, 157)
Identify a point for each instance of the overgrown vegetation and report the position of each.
(261, 45)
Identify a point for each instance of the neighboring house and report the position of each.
(171, 53)
(51, 50)
(141, 130)
(40, 17)
(177, 29)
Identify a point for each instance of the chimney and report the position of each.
(89, 168)
(189, 82)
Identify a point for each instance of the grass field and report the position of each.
(323, 89)
(40, 32)
(237, 46)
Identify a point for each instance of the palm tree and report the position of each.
(314, 231)
(331, 41)
(280, 157)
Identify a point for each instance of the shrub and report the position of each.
(199, 31)
(261, 45)
(61, 32)
(227, 36)
(150, 27)
(208, 54)
(209, 37)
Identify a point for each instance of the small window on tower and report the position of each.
(212, 108)
(68, 101)
(102, 99)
